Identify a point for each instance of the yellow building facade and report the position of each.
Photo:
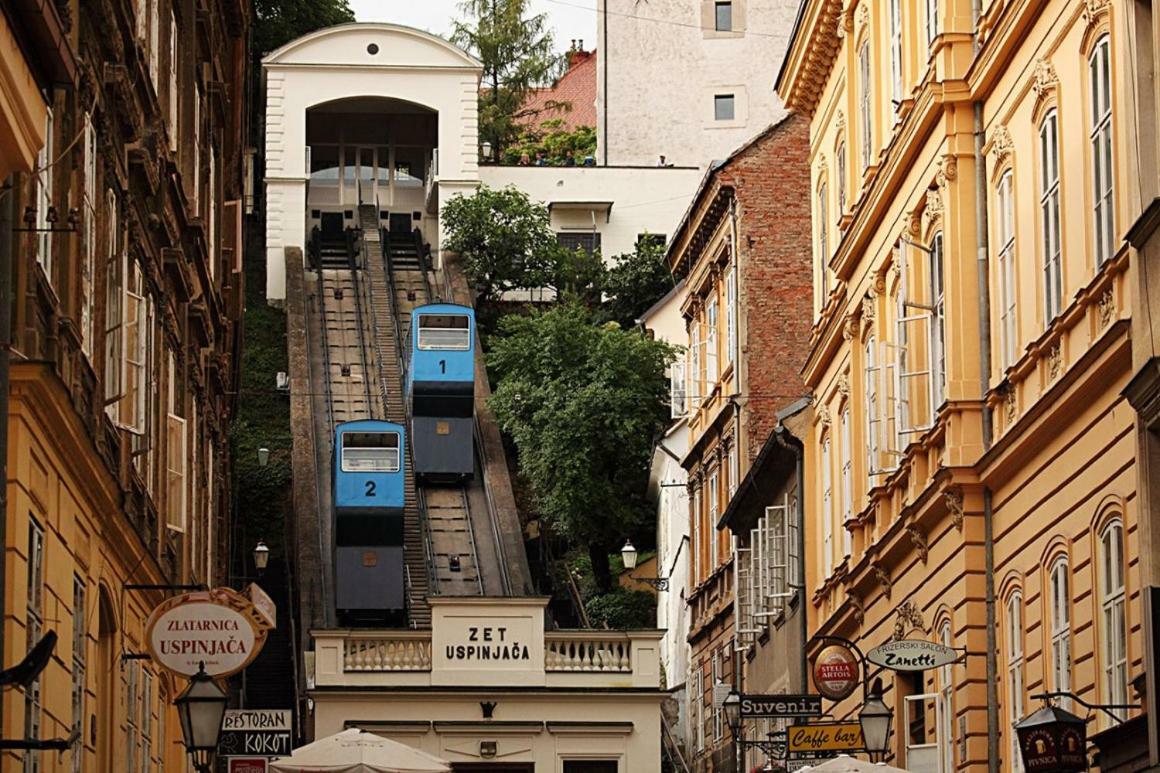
(120, 251)
(971, 473)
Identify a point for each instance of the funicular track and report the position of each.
(464, 551)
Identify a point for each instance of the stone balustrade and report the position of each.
(403, 651)
(584, 652)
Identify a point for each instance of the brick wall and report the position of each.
(772, 181)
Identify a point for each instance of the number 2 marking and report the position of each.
(370, 488)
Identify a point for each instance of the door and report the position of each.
(400, 223)
(492, 767)
(332, 224)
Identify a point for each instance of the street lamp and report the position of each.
(261, 556)
(875, 719)
(628, 554)
(263, 456)
(732, 708)
(486, 148)
(201, 709)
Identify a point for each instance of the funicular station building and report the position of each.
(371, 129)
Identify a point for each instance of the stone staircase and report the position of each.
(381, 307)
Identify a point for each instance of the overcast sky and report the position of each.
(569, 18)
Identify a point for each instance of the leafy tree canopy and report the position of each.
(551, 141)
(277, 22)
(505, 239)
(516, 49)
(583, 403)
(622, 609)
(636, 281)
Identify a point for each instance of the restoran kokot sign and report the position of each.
(219, 628)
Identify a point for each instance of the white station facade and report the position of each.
(489, 689)
(382, 114)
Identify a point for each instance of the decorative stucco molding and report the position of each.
(858, 607)
(908, 617)
(1045, 79)
(954, 500)
(918, 539)
(1001, 144)
(883, 576)
(1107, 307)
(1095, 9)
(1054, 361)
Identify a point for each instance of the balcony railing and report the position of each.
(587, 653)
(394, 652)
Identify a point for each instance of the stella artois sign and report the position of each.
(836, 672)
(220, 628)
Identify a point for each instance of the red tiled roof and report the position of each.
(577, 86)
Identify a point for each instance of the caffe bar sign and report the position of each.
(912, 655)
(219, 628)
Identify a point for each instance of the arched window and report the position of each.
(823, 243)
(1049, 212)
(1005, 228)
(1060, 599)
(1015, 674)
(1113, 624)
(864, 102)
(1099, 67)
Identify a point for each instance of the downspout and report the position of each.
(801, 538)
(604, 58)
(7, 208)
(982, 240)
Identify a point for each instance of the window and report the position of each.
(938, 328)
(698, 539)
(132, 707)
(34, 625)
(723, 107)
(896, 52)
(1049, 208)
(731, 313)
(697, 696)
(711, 372)
(444, 332)
(174, 68)
(734, 459)
(44, 167)
(114, 307)
(1099, 65)
(1113, 624)
(946, 731)
(1060, 622)
(723, 19)
(827, 512)
(195, 190)
(677, 390)
(146, 721)
(211, 205)
(931, 21)
(873, 418)
(89, 212)
(370, 452)
(716, 678)
(864, 102)
(823, 244)
(79, 662)
(588, 241)
(847, 483)
(154, 42)
(840, 170)
(590, 766)
(1005, 224)
(133, 405)
(713, 494)
(1015, 673)
(175, 457)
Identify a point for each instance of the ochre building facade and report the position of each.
(120, 229)
(971, 472)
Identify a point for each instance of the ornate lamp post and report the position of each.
(201, 708)
(261, 555)
(628, 554)
(875, 718)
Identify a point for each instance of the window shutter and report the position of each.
(175, 461)
(677, 386)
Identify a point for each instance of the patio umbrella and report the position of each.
(847, 764)
(356, 751)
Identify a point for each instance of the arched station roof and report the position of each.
(372, 44)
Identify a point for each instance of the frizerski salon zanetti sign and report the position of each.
(219, 627)
(912, 655)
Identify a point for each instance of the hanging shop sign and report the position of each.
(1053, 739)
(220, 628)
(912, 655)
(247, 765)
(836, 672)
(826, 737)
(775, 706)
(263, 604)
(248, 732)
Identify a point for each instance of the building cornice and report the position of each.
(814, 46)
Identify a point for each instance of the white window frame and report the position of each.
(712, 373)
(176, 459)
(678, 402)
(1103, 171)
(155, 44)
(715, 679)
(731, 313)
(840, 170)
(823, 244)
(1005, 224)
(896, 54)
(938, 331)
(714, 505)
(696, 373)
(136, 336)
(45, 162)
(827, 511)
(846, 452)
(34, 616)
(89, 211)
(744, 612)
(909, 312)
(115, 270)
(695, 512)
(1059, 586)
(1113, 618)
(1015, 676)
(1049, 212)
(865, 109)
(873, 410)
(174, 96)
(931, 21)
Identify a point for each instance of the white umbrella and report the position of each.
(847, 764)
(355, 751)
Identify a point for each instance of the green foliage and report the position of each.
(554, 141)
(622, 609)
(516, 49)
(583, 403)
(506, 240)
(636, 281)
(277, 22)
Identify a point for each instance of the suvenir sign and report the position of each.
(772, 706)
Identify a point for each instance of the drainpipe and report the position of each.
(7, 208)
(983, 242)
(801, 538)
(604, 58)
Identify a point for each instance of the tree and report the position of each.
(277, 22)
(583, 403)
(622, 609)
(553, 141)
(505, 239)
(516, 50)
(636, 281)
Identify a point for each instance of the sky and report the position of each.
(570, 19)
